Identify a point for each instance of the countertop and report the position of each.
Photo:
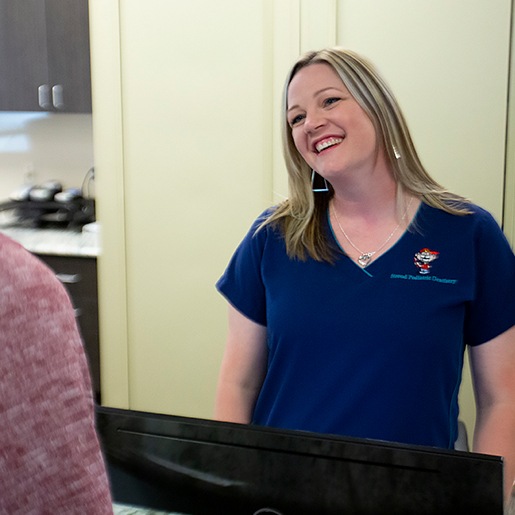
(75, 242)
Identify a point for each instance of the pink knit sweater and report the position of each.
(50, 459)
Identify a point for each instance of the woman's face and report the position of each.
(329, 128)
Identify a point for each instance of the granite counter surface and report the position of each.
(56, 242)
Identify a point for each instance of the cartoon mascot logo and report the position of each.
(424, 258)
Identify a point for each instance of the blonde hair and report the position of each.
(301, 216)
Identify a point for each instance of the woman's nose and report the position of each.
(313, 121)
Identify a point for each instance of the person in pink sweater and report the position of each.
(50, 456)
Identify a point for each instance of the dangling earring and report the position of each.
(325, 189)
(396, 153)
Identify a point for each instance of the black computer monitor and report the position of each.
(206, 467)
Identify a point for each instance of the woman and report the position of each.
(351, 303)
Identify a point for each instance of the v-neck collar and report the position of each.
(366, 269)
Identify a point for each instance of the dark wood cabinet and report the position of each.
(44, 56)
(79, 276)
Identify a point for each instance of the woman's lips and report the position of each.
(326, 143)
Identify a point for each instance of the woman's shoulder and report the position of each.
(470, 213)
(266, 223)
(260, 232)
(477, 223)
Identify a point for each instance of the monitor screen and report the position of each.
(195, 466)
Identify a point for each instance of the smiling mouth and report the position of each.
(327, 143)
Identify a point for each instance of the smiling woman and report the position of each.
(315, 337)
(336, 134)
(321, 133)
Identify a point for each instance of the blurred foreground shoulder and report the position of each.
(51, 460)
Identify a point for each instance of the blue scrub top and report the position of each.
(376, 352)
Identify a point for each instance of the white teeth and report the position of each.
(327, 143)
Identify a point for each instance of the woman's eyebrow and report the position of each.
(317, 93)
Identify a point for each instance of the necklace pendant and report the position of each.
(364, 259)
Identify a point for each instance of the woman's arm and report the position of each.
(493, 372)
(243, 369)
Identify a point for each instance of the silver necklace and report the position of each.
(365, 257)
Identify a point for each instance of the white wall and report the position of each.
(183, 160)
(44, 146)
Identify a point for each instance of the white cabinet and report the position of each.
(186, 99)
(183, 165)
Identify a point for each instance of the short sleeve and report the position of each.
(492, 310)
(242, 282)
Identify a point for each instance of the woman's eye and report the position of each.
(296, 120)
(331, 100)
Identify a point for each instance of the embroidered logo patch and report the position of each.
(424, 259)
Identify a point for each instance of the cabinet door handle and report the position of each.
(69, 278)
(58, 97)
(77, 312)
(44, 97)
